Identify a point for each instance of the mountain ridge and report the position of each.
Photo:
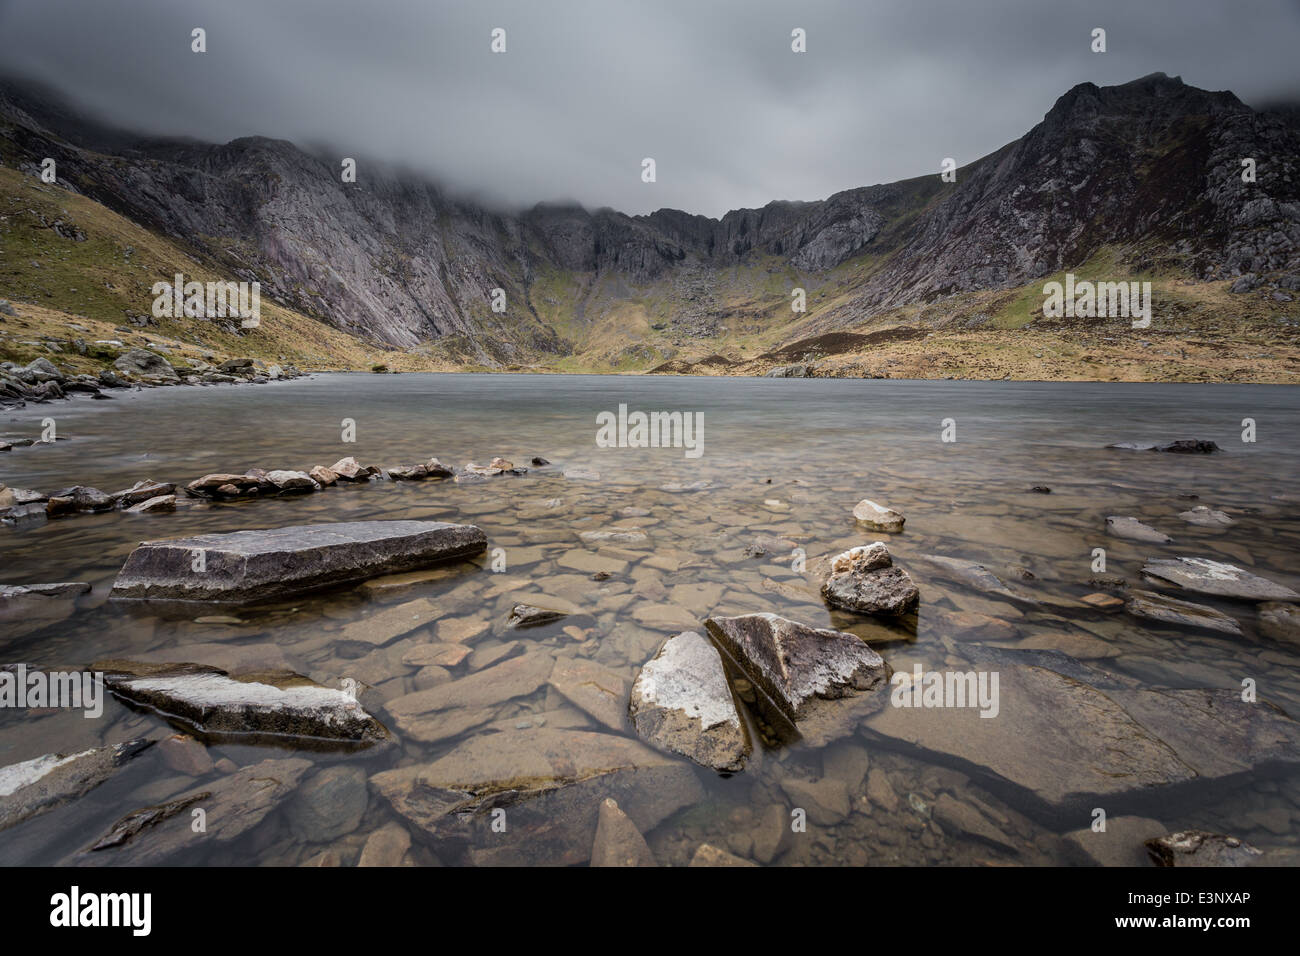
(1145, 172)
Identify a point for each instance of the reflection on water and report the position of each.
(785, 461)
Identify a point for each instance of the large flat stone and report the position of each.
(279, 705)
(1070, 747)
(246, 566)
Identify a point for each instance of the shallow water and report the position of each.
(813, 447)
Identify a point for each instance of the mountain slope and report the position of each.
(1135, 181)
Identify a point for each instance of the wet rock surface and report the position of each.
(804, 673)
(1134, 530)
(551, 783)
(258, 565)
(1197, 848)
(35, 786)
(681, 701)
(864, 580)
(233, 805)
(1167, 610)
(1207, 576)
(27, 608)
(279, 705)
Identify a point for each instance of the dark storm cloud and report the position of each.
(710, 90)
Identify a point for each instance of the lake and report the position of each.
(738, 529)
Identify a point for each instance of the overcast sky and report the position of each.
(588, 88)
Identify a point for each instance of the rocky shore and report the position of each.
(42, 381)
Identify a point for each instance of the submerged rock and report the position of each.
(878, 517)
(1134, 530)
(863, 579)
(1185, 446)
(1206, 517)
(276, 704)
(233, 805)
(1158, 607)
(975, 575)
(1215, 577)
(1280, 621)
(1066, 746)
(1198, 848)
(246, 566)
(681, 701)
(528, 615)
(593, 689)
(34, 786)
(802, 671)
(551, 784)
(618, 842)
(26, 608)
(709, 855)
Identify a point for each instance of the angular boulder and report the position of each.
(349, 469)
(864, 580)
(681, 701)
(146, 364)
(803, 672)
(272, 705)
(246, 566)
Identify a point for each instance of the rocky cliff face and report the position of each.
(1153, 167)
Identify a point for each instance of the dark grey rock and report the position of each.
(1214, 577)
(864, 580)
(1197, 848)
(274, 705)
(34, 786)
(245, 566)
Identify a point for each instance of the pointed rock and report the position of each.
(803, 672)
(34, 786)
(618, 842)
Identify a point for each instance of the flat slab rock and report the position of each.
(246, 566)
(1067, 744)
(551, 783)
(233, 805)
(1167, 610)
(974, 575)
(277, 704)
(1215, 577)
(681, 701)
(34, 786)
(804, 672)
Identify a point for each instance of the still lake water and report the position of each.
(785, 459)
